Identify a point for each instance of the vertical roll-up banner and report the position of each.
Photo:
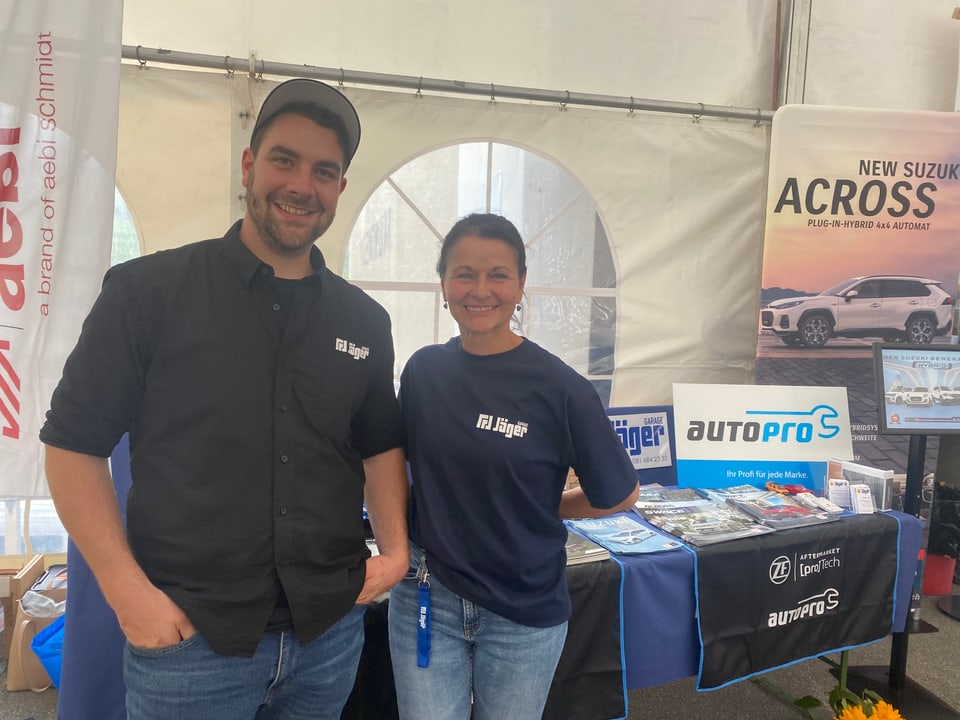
(59, 93)
(863, 216)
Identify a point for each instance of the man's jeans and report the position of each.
(506, 668)
(283, 679)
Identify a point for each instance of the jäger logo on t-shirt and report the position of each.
(502, 425)
(357, 352)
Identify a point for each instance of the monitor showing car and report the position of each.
(918, 388)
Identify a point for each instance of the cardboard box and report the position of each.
(12, 565)
(18, 573)
(15, 572)
(24, 669)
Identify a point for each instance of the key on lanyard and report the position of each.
(423, 618)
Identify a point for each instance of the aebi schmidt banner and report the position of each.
(863, 216)
(58, 137)
(751, 434)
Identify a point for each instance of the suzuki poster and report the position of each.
(863, 214)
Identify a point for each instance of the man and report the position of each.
(257, 389)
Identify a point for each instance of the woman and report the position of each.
(494, 423)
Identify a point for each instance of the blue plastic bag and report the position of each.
(48, 646)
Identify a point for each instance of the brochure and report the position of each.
(780, 511)
(696, 519)
(583, 550)
(659, 493)
(623, 535)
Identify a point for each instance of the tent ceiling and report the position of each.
(875, 53)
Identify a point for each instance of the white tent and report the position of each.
(681, 197)
(672, 151)
(659, 110)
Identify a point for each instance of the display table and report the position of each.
(661, 635)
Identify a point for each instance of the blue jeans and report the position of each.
(503, 667)
(283, 679)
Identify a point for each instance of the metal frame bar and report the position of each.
(256, 67)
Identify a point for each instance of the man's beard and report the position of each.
(285, 240)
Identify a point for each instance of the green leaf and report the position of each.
(807, 702)
(842, 698)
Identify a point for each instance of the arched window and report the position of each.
(570, 306)
(33, 525)
(126, 240)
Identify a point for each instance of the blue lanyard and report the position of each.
(423, 616)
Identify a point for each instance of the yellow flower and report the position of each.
(885, 711)
(852, 713)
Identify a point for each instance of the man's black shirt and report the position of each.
(249, 410)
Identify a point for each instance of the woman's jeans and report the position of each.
(283, 680)
(505, 669)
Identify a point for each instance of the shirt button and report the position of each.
(283, 510)
(276, 307)
(283, 407)
(264, 270)
(284, 458)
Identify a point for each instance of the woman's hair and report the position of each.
(485, 225)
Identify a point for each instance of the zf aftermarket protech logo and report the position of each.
(771, 426)
(806, 565)
(812, 563)
(780, 570)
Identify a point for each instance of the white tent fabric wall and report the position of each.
(865, 53)
(695, 51)
(174, 157)
(882, 54)
(682, 201)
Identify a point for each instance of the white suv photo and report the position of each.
(891, 307)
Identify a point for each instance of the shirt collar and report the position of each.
(248, 265)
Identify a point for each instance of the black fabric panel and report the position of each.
(374, 695)
(589, 682)
(770, 600)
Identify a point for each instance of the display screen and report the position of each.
(918, 388)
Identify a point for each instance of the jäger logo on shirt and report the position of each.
(357, 352)
(502, 425)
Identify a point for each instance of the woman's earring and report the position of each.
(445, 305)
(519, 307)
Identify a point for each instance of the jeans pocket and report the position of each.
(416, 554)
(165, 649)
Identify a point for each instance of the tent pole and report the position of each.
(256, 68)
(794, 42)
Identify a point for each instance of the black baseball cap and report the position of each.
(313, 92)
